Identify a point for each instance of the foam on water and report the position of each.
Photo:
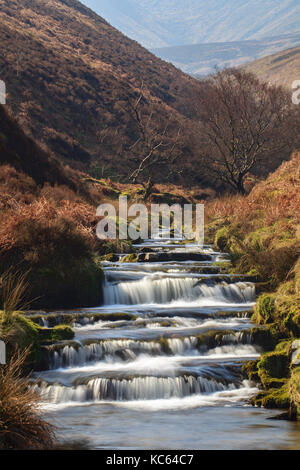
(229, 397)
(176, 353)
(151, 291)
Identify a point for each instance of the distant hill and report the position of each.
(163, 23)
(282, 68)
(69, 75)
(201, 59)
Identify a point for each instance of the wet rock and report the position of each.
(165, 257)
(296, 353)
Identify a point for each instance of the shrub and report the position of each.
(57, 245)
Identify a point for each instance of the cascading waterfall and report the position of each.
(140, 388)
(122, 349)
(166, 349)
(127, 350)
(149, 356)
(165, 290)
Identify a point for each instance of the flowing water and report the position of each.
(158, 366)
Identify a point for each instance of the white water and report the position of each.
(141, 388)
(178, 360)
(151, 290)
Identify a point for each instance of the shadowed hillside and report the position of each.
(25, 155)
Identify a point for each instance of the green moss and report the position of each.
(273, 365)
(221, 238)
(294, 388)
(111, 257)
(250, 370)
(69, 318)
(274, 398)
(271, 383)
(58, 333)
(284, 346)
(21, 333)
(264, 310)
(132, 258)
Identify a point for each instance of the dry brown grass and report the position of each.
(277, 197)
(13, 288)
(262, 229)
(21, 424)
(44, 228)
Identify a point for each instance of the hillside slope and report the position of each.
(25, 155)
(201, 59)
(281, 68)
(164, 23)
(261, 232)
(69, 75)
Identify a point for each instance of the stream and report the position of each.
(158, 366)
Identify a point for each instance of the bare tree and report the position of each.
(156, 145)
(243, 123)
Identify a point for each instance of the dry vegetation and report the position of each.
(21, 424)
(262, 229)
(262, 233)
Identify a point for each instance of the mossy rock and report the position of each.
(264, 337)
(250, 371)
(58, 333)
(271, 383)
(132, 258)
(221, 238)
(110, 257)
(276, 398)
(110, 247)
(294, 387)
(22, 334)
(60, 285)
(265, 309)
(274, 365)
(212, 339)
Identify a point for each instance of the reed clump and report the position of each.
(21, 424)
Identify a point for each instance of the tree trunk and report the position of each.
(148, 189)
(240, 186)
